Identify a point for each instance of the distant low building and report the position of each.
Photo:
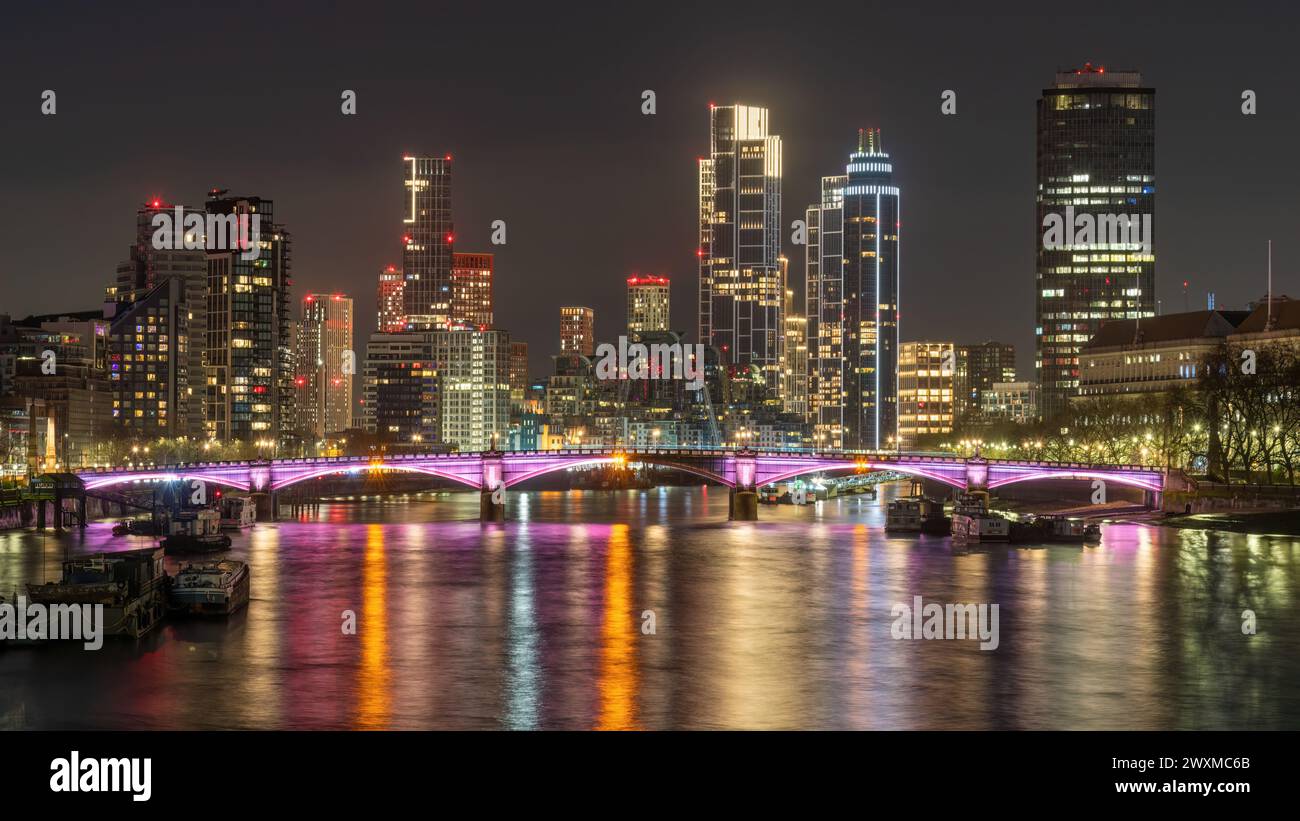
(1010, 401)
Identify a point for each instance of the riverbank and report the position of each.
(1259, 522)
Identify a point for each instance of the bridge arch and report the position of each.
(1143, 481)
(97, 482)
(281, 483)
(606, 460)
(951, 481)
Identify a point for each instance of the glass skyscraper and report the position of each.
(427, 242)
(1096, 157)
(852, 263)
(741, 298)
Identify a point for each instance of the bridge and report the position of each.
(492, 473)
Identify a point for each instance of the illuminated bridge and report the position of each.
(743, 471)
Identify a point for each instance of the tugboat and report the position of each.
(196, 531)
(972, 521)
(916, 514)
(210, 588)
(1092, 533)
(123, 527)
(238, 512)
(131, 586)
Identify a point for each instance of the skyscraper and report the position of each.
(795, 392)
(741, 297)
(1096, 156)
(471, 290)
(427, 242)
(647, 304)
(249, 351)
(518, 376)
(392, 313)
(326, 363)
(852, 270)
(578, 331)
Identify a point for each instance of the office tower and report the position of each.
(153, 259)
(471, 290)
(795, 392)
(740, 295)
(392, 316)
(1096, 156)
(427, 237)
(325, 363)
(578, 331)
(647, 304)
(518, 376)
(978, 367)
(474, 377)
(852, 271)
(926, 372)
(401, 389)
(249, 351)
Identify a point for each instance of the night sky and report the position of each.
(540, 107)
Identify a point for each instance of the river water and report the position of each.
(647, 609)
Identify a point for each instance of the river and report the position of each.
(647, 609)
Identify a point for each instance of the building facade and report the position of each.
(400, 389)
(1096, 161)
(741, 295)
(392, 313)
(471, 290)
(852, 276)
(647, 304)
(578, 331)
(1010, 401)
(326, 364)
(926, 390)
(979, 366)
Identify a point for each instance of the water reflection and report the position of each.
(537, 623)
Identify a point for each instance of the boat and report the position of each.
(1092, 533)
(972, 521)
(238, 512)
(216, 588)
(131, 585)
(1049, 528)
(915, 514)
(123, 527)
(195, 531)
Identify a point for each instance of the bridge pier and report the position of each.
(268, 506)
(743, 498)
(492, 489)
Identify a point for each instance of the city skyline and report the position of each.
(965, 162)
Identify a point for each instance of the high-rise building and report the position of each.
(392, 313)
(249, 362)
(471, 290)
(427, 242)
(741, 295)
(978, 367)
(926, 373)
(795, 392)
(326, 363)
(148, 377)
(647, 304)
(474, 375)
(1096, 157)
(852, 270)
(518, 377)
(400, 389)
(578, 331)
(178, 351)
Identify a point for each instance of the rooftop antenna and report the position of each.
(1268, 323)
